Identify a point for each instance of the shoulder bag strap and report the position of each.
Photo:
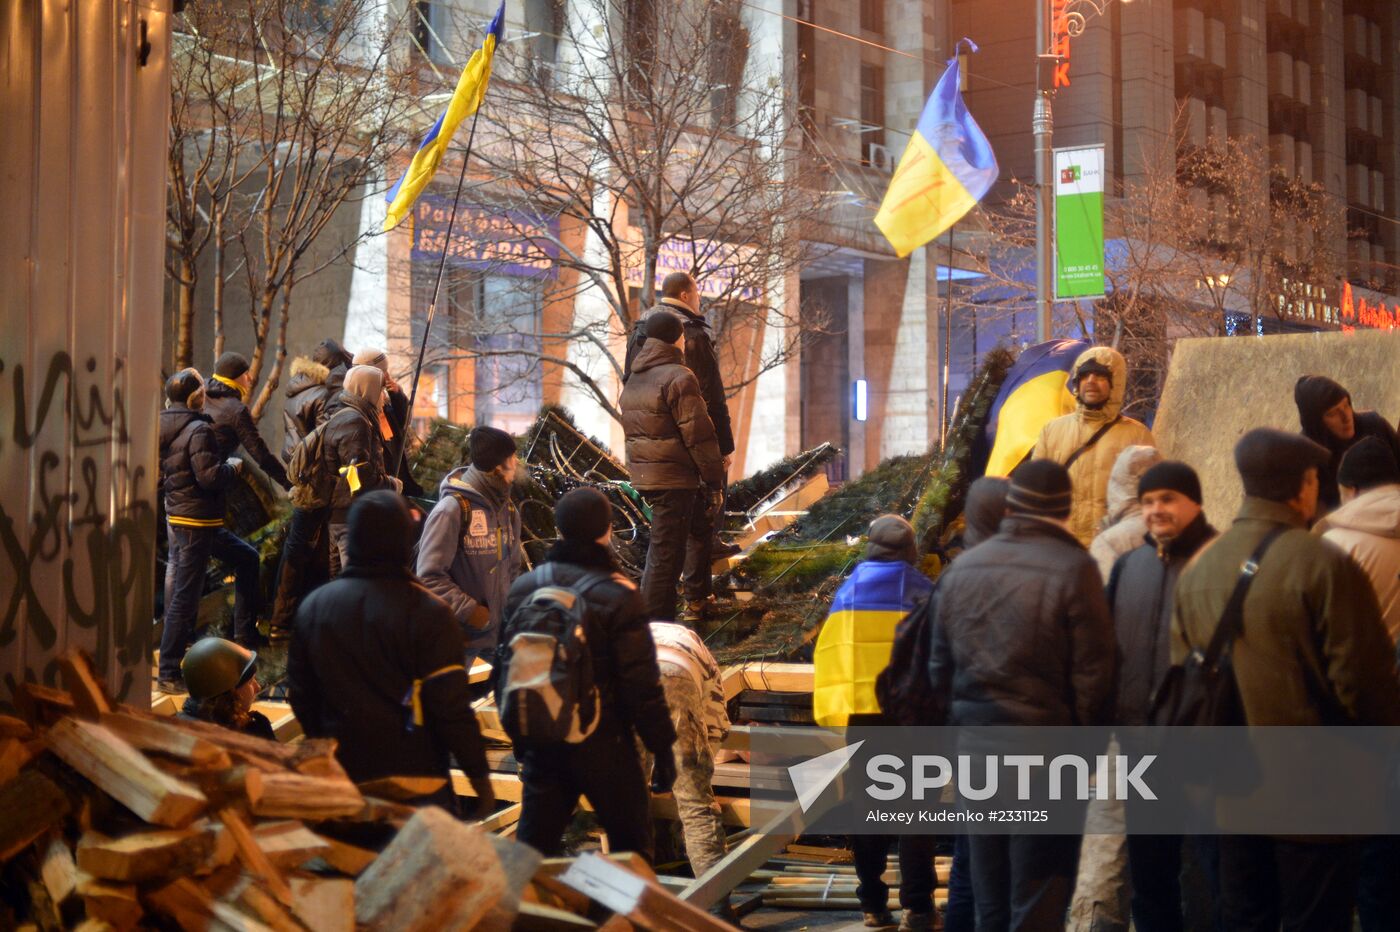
(1097, 436)
(1232, 619)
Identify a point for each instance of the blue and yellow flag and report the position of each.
(946, 168)
(471, 87)
(1035, 392)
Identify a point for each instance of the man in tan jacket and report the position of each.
(1088, 441)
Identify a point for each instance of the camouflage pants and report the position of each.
(695, 771)
(1102, 889)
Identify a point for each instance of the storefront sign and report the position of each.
(1358, 312)
(720, 264)
(505, 242)
(1059, 41)
(1079, 265)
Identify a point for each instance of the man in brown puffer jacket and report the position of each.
(673, 456)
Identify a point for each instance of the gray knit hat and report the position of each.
(1040, 489)
(892, 538)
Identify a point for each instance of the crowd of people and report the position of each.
(1083, 577)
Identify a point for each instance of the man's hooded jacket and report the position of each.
(1368, 529)
(1314, 395)
(1063, 437)
(670, 437)
(227, 407)
(193, 476)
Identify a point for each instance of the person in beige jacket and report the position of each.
(1123, 528)
(1367, 526)
(1087, 441)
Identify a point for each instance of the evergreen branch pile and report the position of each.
(748, 493)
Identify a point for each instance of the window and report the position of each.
(872, 16)
(872, 108)
(509, 388)
(432, 27)
(729, 51)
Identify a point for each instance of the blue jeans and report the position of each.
(961, 914)
(190, 550)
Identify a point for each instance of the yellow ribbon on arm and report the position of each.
(416, 695)
(352, 476)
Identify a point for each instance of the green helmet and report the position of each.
(214, 666)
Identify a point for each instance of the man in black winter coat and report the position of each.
(226, 402)
(1328, 418)
(352, 449)
(680, 297)
(193, 477)
(1141, 593)
(314, 384)
(1022, 636)
(674, 460)
(376, 663)
(605, 767)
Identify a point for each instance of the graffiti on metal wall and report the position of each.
(85, 548)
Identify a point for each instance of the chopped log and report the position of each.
(191, 907)
(347, 858)
(14, 754)
(537, 917)
(145, 855)
(90, 699)
(324, 904)
(42, 705)
(382, 810)
(642, 900)
(437, 873)
(550, 891)
(57, 870)
(315, 757)
(402, 789)
(11, 727)
(289, 844)
(149, 734)
(112, 903)
(253, 857)
(499, 820)
(259, 752)
(298, 796)
(120, 771)
(30, 805)
(247, 895)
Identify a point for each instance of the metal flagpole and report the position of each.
(947, 337)
(437, 290)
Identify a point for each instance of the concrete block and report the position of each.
(1281, 73)
(1302, 82)
(1303, 161)
(1217, 389)
(1215, 41)
(1189, 31)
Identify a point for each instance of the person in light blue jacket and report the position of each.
(470, 551)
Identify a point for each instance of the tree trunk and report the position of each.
(274, 375)
(184, 325)
(218, 237)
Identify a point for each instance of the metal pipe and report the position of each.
(1042, 127)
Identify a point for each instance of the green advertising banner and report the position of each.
(1079, 223)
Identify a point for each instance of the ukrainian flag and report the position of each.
(1036, 391)
(471, 87)
(946, 168)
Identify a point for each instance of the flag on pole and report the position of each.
(471, 87)
(946, 168)
(1034, 393)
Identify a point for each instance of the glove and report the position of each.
(663, 772)
(715, 504)
(237, 465)
(480, 616)
(485, 797)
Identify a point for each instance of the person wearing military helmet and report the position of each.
(222, 680)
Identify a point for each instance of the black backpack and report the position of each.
(903, 689)
(545, 690)
(1201, 690)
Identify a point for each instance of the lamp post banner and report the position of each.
(1079, 177)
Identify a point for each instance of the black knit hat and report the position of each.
(1040, 488)
(663, 326)
(1272, 462)
(584, 514)
(490, 447)
(180, 386)
(1314, 395)
(231, 365)
(1173, 475)
(986, 506)
(1369, 463)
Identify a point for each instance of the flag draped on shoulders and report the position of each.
(946, 168)
(1034, 393)
(466, 99)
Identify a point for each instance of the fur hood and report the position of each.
(306, 373)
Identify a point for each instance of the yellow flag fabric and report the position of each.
(466, 99)
(1035, 404)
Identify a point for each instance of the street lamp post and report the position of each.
(1052, 27)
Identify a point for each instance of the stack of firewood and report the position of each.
(111, 816)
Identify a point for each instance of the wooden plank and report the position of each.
(324, 904)
(57, 870)
(164, 705)
(90, 699)
(260, 752)
(499, 820)
(347, 858)
(537, 917)
(298, 796)
(30, 805)
(191, 907)
(779, 677)
(402, 788)
(151, 735)
(642, 900)
(480, 671)
(113, 903)
(750, 854)
(248, 896)
(11, 727)
(253, 857)
(289, 844)
(120, 771)
(14, 754)
(144, 855)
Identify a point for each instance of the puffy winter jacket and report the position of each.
(624, 657)
(234, 427)
(1313, 399)
(1368, 528)
(1123, 526)
(855, 641)
(470, 551)
(305, 406)
(1141, 593)
(700, 358)
(193, 476)
(1021, 633)
(351, 437)
(670, 438)
(1062, 437)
